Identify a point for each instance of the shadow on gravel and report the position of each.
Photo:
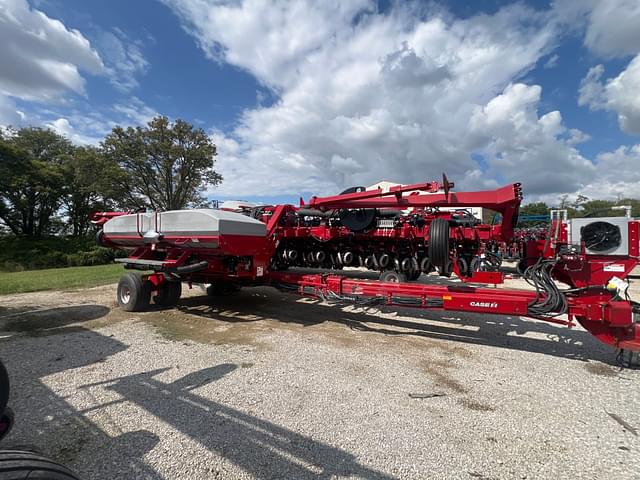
(254, 304)
(48, 424)
(45, 321)
(259, 447)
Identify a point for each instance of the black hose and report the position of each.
(194, 267)
(549, 299)
(312, 212)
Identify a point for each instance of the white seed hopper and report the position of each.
(196, 228)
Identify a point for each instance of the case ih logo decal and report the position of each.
(484, 304)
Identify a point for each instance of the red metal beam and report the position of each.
(611, 321)
(396, 192)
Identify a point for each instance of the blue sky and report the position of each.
(312, 97)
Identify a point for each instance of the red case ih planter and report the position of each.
(402, 233)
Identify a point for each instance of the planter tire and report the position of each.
(439, 245)
(134, 293)
(393, 276)
(169, 294)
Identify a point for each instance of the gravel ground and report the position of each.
(268, 385)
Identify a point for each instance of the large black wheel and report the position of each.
(168, 294)
(134, 293)
(6, 422)
(6, 415)
(439, 245)
(4, 387)
(22, 465)
(393, 276)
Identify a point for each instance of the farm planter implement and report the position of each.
(402, 233)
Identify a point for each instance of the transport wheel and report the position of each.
(22, 465)
(393, 276)
(168, 294)
(414, 275)
(134, 293)
(439, 245)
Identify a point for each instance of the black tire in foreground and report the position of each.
(134, 293)
(7, 419)
(22, 465)
(168, 294)
(6, 415)
(393, 276)
(4, 387)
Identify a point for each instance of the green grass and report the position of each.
(59, 278)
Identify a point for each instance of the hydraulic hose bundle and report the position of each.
(549, 301)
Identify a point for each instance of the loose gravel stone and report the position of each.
(268, 385)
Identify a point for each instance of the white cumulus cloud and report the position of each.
(619, 94)
(614, 28)
(523, 146)
(609, 27)
(40, 57)
(364, 96)
(62, 126)
(618, 174)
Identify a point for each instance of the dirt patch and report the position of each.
(438, 371)
(601, 369)
(175, 325)
(475, 405)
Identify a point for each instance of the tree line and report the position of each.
(582, 206)
(50, 186)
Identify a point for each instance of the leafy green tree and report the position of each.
(633, 202)
(86, 188)
(535, 208)
(164, 165)
(599, 208)
(31, 179)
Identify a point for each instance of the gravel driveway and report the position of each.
(268, 385)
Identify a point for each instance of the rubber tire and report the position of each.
(476, 264)
(414, 275)
(4, 387)
(100, 238)
(139, 292)
(22, 465)
(169, 294)
(439, 244)
(6, 422)
(393, 276)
